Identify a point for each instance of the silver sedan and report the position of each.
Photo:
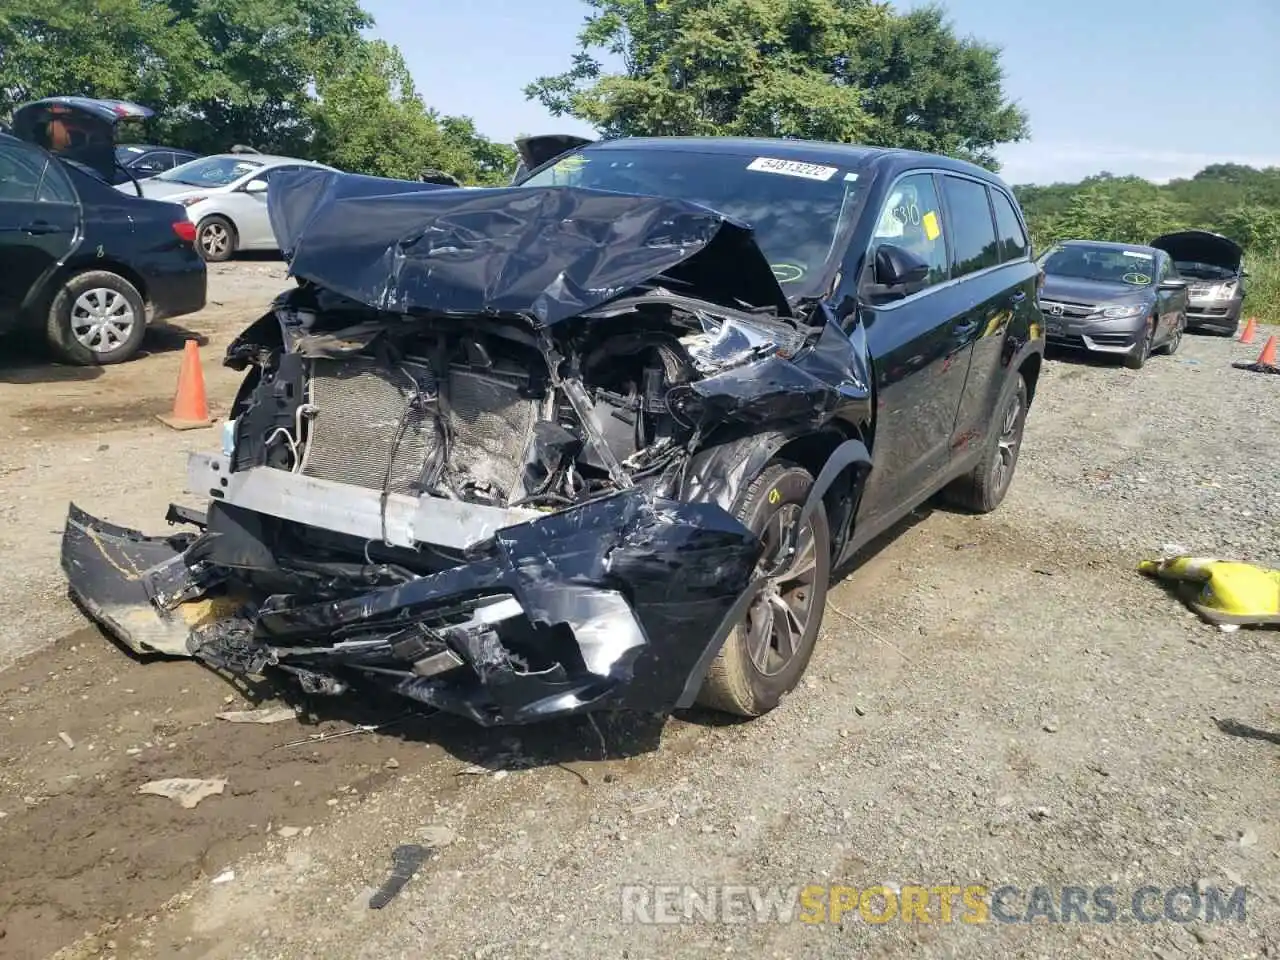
(225, 196)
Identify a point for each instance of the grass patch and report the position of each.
(1262, 288)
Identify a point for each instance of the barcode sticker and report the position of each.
(792, 168)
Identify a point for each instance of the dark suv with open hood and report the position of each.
(595, 440)
(83, 266)
(1215, 266)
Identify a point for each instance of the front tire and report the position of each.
(984, 488)
(97, 318)
(1137, 358)
(765, 656)
(1175, 338)
(216, 239)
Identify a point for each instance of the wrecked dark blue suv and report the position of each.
(594, 440)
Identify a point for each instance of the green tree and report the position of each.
(285, 76)
(368, 118)
(841, 70)
(480, 160)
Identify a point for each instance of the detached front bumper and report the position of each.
(619, 603)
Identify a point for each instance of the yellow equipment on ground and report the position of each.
(1223, 592)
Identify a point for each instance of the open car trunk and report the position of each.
(486, 454)
(537, 150)
(79, 129)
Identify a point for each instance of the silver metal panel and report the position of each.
(342, 508)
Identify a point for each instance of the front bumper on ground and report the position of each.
(1101, 336)
(619, 603)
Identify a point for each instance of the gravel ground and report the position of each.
(994, 700)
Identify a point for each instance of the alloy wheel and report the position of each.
(777, 621)
(1008, 441)
(215, 240)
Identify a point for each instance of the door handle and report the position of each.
(1019, 296)
(40, 227)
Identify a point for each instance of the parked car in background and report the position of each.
(82, 264)
(590, 442)
(140, 161)
(225, 196)
(1114, 298)
(1215, 266)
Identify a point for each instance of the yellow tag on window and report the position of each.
(931, 228)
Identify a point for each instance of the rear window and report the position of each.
(20, 171)
(798, 210)
(973, 234)
(1013, 239)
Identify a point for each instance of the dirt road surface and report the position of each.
(994, 701)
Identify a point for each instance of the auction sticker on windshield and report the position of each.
(792, 168)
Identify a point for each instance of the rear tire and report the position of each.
(216, 239)
(984, 487)
(97, 318)
(764, 658)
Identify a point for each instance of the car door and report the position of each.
(262, 237)
(1169, 302)
(919, 344)
(993, 260)
(39, 224)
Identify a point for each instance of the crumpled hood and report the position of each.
(1201, 246)
(552, 252)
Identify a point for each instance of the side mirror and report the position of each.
(899, 267)
(1178, 284)
(256, 186)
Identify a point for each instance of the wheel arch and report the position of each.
(39, 305)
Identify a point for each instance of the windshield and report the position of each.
(1104, 264)
(210, 171)
(798, 210)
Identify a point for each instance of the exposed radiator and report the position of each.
(361, 404)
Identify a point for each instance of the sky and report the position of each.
(1158, 89)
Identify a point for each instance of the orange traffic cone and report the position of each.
(190, 406)
(1267, 358)
(1249, 329)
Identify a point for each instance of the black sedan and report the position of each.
(1122, 299)
(85, 266)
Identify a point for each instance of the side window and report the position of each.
(20, 171)
(1166, 269)
(1013, 239)
(56, 186)
(973, 233)
(912, 219)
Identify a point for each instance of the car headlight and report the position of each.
(1118, 310)
(1222, 291)
(192, 201)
